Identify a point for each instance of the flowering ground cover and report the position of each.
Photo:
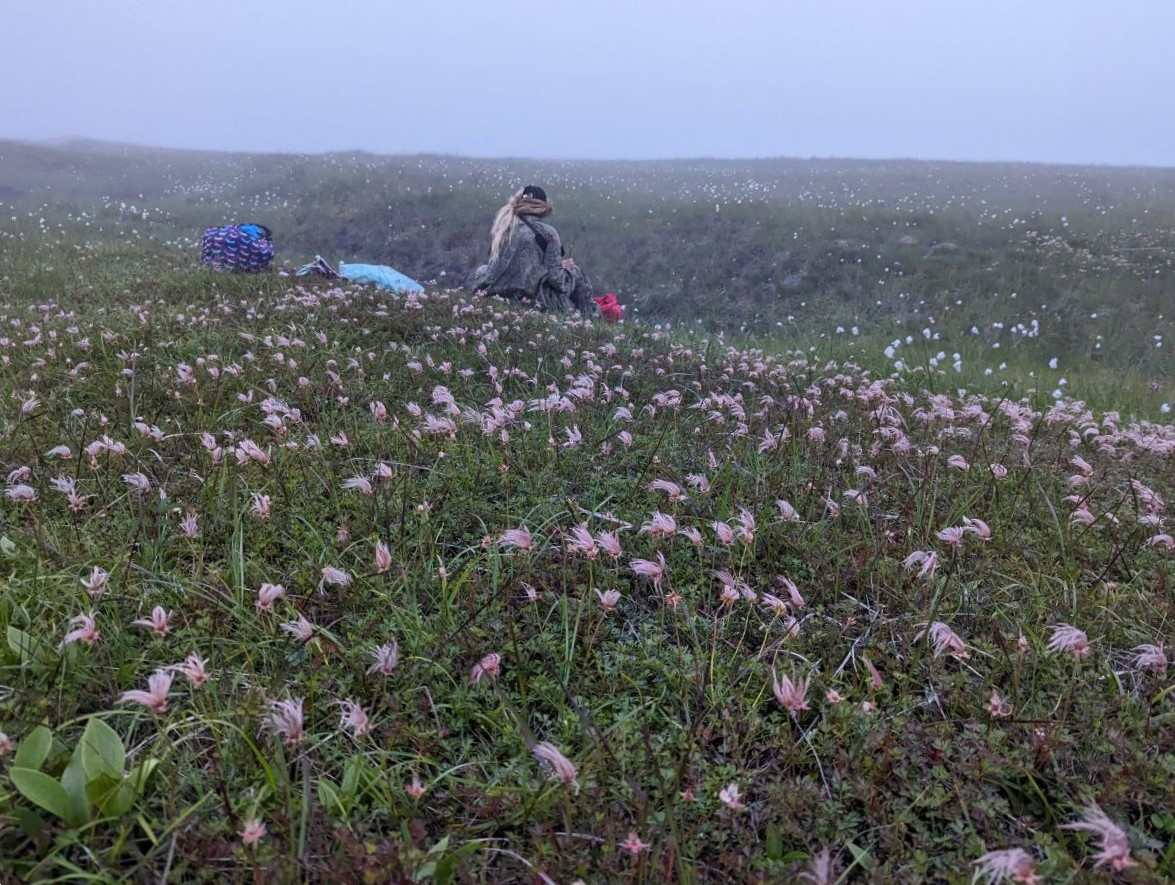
(313, 581)
(844, 557)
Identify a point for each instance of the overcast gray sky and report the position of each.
(1048, 80)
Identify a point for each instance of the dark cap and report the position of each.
(534, 192)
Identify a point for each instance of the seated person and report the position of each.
(527, 261)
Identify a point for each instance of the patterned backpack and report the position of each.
(245, 247)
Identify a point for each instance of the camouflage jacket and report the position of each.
(524, 270)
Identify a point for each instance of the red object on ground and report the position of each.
(610, 309)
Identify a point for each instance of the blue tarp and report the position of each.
(381, 275)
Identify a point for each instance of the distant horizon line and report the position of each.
(85, 140)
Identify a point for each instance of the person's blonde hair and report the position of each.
(507, 218)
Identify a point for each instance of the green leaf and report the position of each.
(328, 797)
(25, 646)
(141, 774)
(774, 841)
(860, 855)
(7, 546)
(34, 749)
(447, 866)
(351, 771)
(73, 780)
(42, 790)
(102, 750)
(30, 823)
(113, 796)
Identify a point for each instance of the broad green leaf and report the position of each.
(24, 645)
(113, 796)
(7, 546)
(73, 780)
(102, 750)
(34, 749)
(43, 791)
(30, 823)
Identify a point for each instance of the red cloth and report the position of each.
(610, 308)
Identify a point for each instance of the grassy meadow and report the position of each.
(844, 558)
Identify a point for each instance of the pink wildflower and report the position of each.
(977, 527)
(580, 541)
(792, 696)
(416, 788)
(159, 622)
(654, 571)
(952, 536)
(608, 599)
(358, 484)
(1068, 638)
(386, 658)
(21, 493)
(155, 698)
(285, 718)
(193, 668)
(96, 584)
(261, 505)
(787, 513)
(793, 593)
(731, 797)
(875, 680)
(488, 667)
(383, 557)
(189, 528)
(609, 542)
(944, 639)
(1115, 847)
(137, 481)
(335, 577)
(998, 707)
(1014, 864)
(301, 629)
(561, 768)
(354, 719)
(928, 560)
(822, 869)
(85, 630)
(724, 532)
(253, 832)
(516, 539)
(1150, 657)
(660, 525)
(633, 844)
(746, 525)
(267, 595)
(672, 489)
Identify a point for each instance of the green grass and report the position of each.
(660, 703)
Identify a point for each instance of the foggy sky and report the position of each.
(1044, 80)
